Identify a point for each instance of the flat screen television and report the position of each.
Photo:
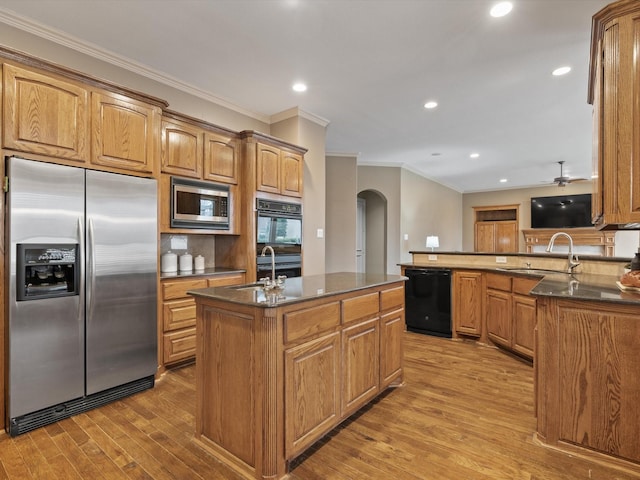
(562, 211)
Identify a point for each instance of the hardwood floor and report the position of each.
(465, 413)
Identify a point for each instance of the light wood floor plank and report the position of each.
(464, 413)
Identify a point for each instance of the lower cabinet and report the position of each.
(360, 363)
(511, 312)
(178, 322)
(467, 302)
(337, 357)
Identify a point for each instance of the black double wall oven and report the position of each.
(279, 225)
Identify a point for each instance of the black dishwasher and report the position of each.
(428, 301)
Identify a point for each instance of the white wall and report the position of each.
(429, 208)
(341, 211)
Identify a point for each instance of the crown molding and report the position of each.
(298, 112)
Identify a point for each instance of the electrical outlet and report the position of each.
(501, 259)
(433, 258)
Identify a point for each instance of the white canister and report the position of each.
(169, 262)
(186, 262)
(199, 262)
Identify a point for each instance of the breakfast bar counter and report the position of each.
(275, 371)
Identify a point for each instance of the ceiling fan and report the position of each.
(563, 180)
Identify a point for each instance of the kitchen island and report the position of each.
(276, 372)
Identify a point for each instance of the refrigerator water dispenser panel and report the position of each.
(46, 271)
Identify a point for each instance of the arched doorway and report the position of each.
(371, 233)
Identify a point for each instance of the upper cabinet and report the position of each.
(124, 132)
(63, 116)
(220, 157)
(614, 92)
(45, 114)
(279, 170)
(193, 148)
(181, 149)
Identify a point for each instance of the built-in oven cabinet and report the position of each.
(178, 318)
(195, 149)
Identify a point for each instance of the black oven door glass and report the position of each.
(287, 231)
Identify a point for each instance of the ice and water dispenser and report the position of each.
(46, 271)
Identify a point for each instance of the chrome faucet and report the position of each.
(273, 284)
(572, 259)
(273, 261)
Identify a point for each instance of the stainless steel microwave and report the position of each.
(197, 204)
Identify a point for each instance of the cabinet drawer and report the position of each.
(309, 321)
(179, 314)
(524, 285)
(178, 289)
(360, 307)
(179, 345)
(224, 280)
(497, 281)
(393, 297)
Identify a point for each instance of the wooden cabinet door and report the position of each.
(498, 317)
(485, 237)
(614, 80)
(181, 149)
(220, 158)
(291, 169)
(506, 237)
(524, 324)
(45, 115)
(468, 293)
(312, 391)
(360, 364)
(596, 375)
(125, 133)
(392, 327)
(267, 168)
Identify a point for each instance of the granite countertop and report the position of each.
(207, 272)
(298, 289)
(602, 288)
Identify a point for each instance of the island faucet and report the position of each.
(273, 261)
(572, 259)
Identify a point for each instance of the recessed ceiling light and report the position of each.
(561, 71)
(474, 155)
(431, 104)
(299, 87)
(503, 180)
(501, 9)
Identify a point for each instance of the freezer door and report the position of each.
(121, 274)
(45, 205)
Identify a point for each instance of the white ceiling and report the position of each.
(370, 66)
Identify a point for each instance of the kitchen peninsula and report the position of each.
(274, 373)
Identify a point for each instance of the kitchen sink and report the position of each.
(532, 271)
(258, 286)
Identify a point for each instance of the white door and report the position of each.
(361, 229)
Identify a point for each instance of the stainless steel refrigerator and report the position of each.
(82, 290)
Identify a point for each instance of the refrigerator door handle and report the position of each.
(92, 269)
(80, 265)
